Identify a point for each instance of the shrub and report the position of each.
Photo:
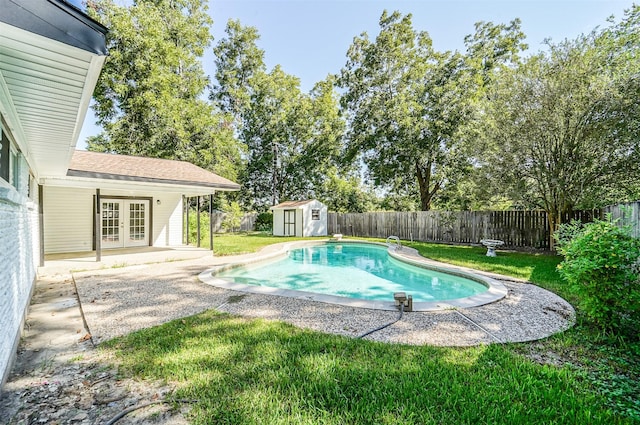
(602, 264)
(264, 221)
(233, 217)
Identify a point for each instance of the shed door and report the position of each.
(289, 222)
(124, 223)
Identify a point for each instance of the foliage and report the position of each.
(346, 194)
(148, 98)
(193, 228)
(292, 138)
(233, 217)
(602, 264)
(406, 103)
(264, 221)
(560, 132)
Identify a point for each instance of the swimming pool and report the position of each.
(358, 274)
(353, 270)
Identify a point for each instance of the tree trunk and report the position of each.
(554, 221)
(424, 181)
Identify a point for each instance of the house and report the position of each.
(51, 54)
(52, 197)
(300, 218)
(131, 201)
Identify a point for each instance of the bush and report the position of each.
(602, 264)
(233, 217)
(264, 221)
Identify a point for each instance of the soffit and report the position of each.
(45, 89)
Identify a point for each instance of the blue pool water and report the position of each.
(361, 271)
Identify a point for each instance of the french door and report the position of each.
(125, 223)
(289, 222)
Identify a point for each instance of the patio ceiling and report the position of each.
(45, 89)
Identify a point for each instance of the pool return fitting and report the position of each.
(402, 300)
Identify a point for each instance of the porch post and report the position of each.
(198, 221)
(187, 206)
(41, 222)
(211, 222)
(98, 239)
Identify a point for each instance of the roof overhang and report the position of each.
(294, 205)
(134, 185)
(51, 56)
(137, 179)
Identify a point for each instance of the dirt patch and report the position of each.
(59, 377)
(86, 392)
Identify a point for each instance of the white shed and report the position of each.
(300, 218)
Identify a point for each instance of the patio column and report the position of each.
(41, 222)
(187, 206)
(211, 222)
(198, 221)
(98, 239)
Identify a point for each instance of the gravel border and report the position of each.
(119, 301)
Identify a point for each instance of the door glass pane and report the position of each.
(110, 221)
(137, 223)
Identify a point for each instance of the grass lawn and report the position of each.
(244, 371)
(241, 243)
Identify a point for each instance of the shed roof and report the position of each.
(292, 204)
(141, 169)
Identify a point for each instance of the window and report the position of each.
(5, 171)
(315, 214)
(9, 159)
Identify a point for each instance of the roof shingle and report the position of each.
(134, 168)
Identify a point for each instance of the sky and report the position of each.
(309, 38)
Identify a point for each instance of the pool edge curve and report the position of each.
(495, 290)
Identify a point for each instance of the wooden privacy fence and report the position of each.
(247, 223)
(626, 214)
(515, 228)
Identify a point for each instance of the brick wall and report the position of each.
(18, 247)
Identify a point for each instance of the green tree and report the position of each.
(407, 104)
(346, 194)
(238, 60)
(561, 131)
(148, 98)
(292, 138)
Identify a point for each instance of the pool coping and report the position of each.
(495, 292)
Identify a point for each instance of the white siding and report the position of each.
(68, 219)
(18, 240)
(167, 219)
(300, 222)
(315, 227)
